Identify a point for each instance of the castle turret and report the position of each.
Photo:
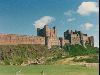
(71, 32)
(61, 41)
(75, 31)
(38, 30)
(91, 40)
(46, 31)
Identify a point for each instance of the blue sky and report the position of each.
(22, 16)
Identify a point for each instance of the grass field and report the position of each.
(48, 70)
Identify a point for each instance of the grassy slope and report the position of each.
(49, 70)
(38, 51)
(17, 54)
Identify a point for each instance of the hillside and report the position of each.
(39, 54)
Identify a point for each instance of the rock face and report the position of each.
(47, 36)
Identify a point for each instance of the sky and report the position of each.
(24, 16)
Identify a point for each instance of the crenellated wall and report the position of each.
(77, 37)
(47, 36)
(11, 39)
(50, 36)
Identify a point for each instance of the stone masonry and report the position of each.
(78, 37)
(47, 36)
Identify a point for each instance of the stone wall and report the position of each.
(91, 40)
(46, 32)
(50, 36)
(11, 39)
(77, 37)
(47, 36)
(63, 41)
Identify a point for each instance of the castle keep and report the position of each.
(78, 37)
(47, 36)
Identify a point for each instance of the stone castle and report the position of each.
(48, 36)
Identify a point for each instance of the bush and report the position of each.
(6, 62)
(92, 59)
(79, 50)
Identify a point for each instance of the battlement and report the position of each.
(77, 37)
(10, 39)
(73, 32)
(48, 36)
(47, 32)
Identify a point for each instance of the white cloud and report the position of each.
(87, 26)
(69, 13)
(87, 8)
(43, 21)
(71, 19)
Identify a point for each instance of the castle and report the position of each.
(47, 36)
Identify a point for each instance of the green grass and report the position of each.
(49, 70)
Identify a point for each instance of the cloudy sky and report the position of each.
(24, 16)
